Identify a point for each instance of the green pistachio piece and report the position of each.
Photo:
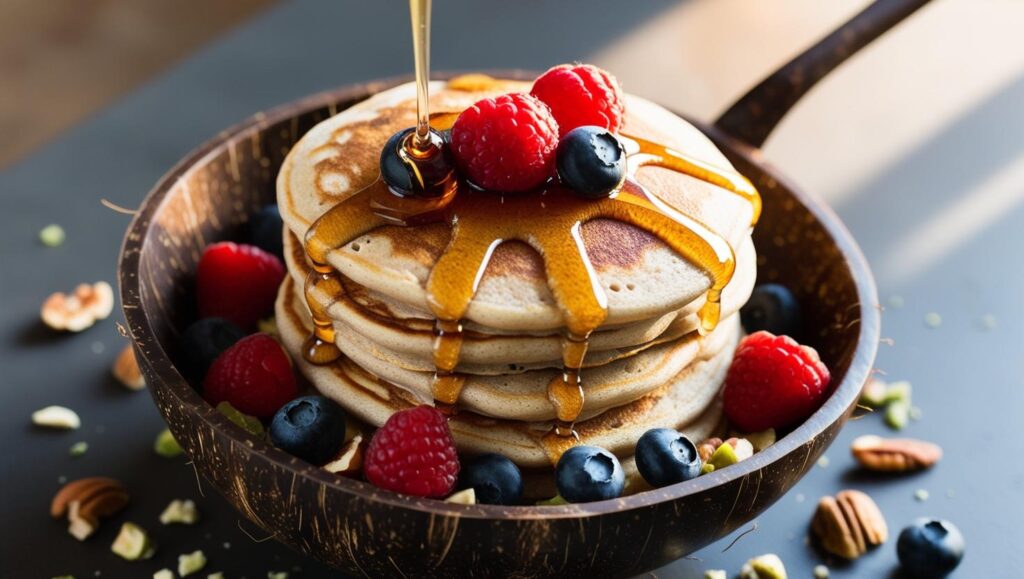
(166, 446)
(715, 574)
(764, 567)
(190, 563)
(724, 456)
(164, 574)
(898, 392)
(552, 502)
(52, 235)
(277, 575)
(874, 394)
(179, 511)
(897, 414)
(132, 543)
(217, 575)
(707, 468)
(250, 424)
(761, 440)
(821, 572)
(78, 449)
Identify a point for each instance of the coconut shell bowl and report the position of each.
(363, 530)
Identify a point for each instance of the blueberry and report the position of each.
(772, 308)
(202, 342)
(311, 428)
(429, 176)
(589, 473)
(665, 457)
(265, 230)
(930, 548)
(591, 161)
(495, 479)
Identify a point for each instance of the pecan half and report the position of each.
(894, 454)
(87, 500)
(849, 524)
(80, 310)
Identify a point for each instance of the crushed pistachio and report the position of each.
(250, 424)
(921, 495)
(190, 563)
(179, 511)
(932, 320)
(57, 417)
(897, 414)
(915, 413)
(762, 440)
(874, 394)
(277, 575)
(823, 462)
(165, 445)
(767, 566)
(821, 572)
(463, 497)
(79, 448)
(715, 574)
(132, 543)
(552, 502)
(899, 392)
(164, 574)
(217, 575)
(707, 468)
(52, 235)
(988, 322)
(724, 456)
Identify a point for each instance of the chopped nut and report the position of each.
(724, 456)
(165, 445)
(899, 392)
(894, 454)
(217, 575)
(179, 511)
(823, 461)
(821, 572)
(764, 567)
(874, 394)
(190, 563)
(921, 495)
(52, 235)
(761, 440)
(80, 310)
(132, 543)
(742, 447)
(552, 502)
(78, 449)
(716, 574)
(897, 414)
(932, 320)
(849, 524)
(164, 574)
(250, 424)
(350, 459)
(126, 370)
(708, 448)
(56, 417)
(463, 497)
(85, 501)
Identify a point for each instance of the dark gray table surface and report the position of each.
(967, 377)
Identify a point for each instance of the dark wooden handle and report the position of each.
(753, 117)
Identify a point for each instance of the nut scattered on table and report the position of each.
(126, 370)
(179, 511)
(85, 501)
(350, 459)
(849, 524)
(80, 310)
(894, 454)
(767, 566)
(57, 417)
(190, 563)
(463, 497)
(132, 543)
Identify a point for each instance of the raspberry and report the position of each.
(773, 382)
(581, 94)
(413, 453)
(237, 282)
(254, 375)
(506, 143)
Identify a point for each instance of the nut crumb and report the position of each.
(190, 563)
(57, 417)
(80, 310)
(164, 574)
(79, 448)
(932, 320)
(179, 511)
(132, 543)
(821, 572)
(463, 497)
(921, 495)
(126, 370)
(823, 462)
(52, 235)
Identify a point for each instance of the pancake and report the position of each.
(524, 396)
(688, 402)
(405, 337)
(642, 277)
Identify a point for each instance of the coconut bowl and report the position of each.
(362, 530)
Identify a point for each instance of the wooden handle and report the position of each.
(753, 117)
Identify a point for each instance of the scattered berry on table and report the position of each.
(255, 376)
(311, 428)
(772, 308)
(495, 479)
(591, 161)
(506, 143)
(930, 548)
(265, 230)
(589, 473)
(581, 94)
(413, 453)
(773, 382)
(665, 457)
(202, 342)
(237, 282)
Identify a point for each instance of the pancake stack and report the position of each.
(646, 367)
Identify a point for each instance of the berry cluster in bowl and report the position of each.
(566, 126)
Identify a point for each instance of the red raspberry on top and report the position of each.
(581, 94)
(773, 382)
(413, 453)
(255, 376)
(237, 282)
(506, 143)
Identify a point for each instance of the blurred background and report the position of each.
(917, 142)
